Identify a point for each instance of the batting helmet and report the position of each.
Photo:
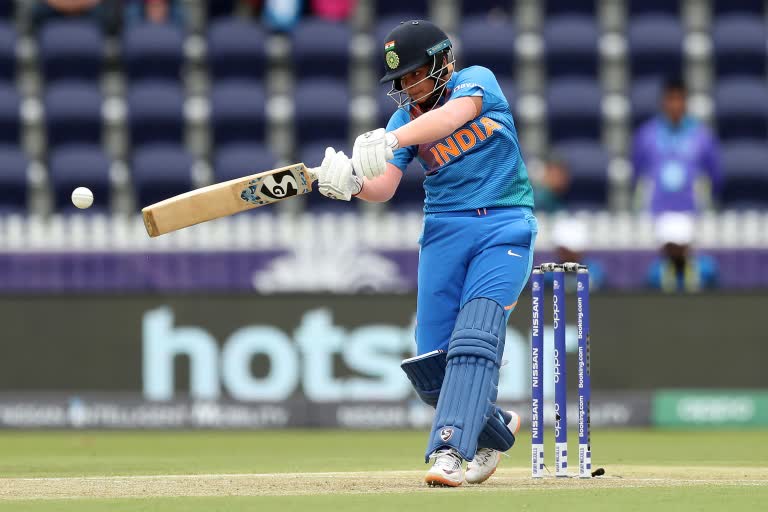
(411, 45)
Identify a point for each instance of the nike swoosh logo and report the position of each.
(513, 254)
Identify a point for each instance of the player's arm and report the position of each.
(337, 180)
(373, 149)
(439, 123)
(381, 189)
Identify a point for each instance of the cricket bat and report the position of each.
(227, 198)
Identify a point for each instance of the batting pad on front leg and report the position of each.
(471, 379)
(427, 372)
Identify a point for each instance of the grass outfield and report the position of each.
(336, 471)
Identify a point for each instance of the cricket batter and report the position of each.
(477, 242)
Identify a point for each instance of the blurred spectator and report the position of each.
(153, 11)
(333, 10)
(672, 152)
(552, 186)
(282, 15)
(104, 12)
(227, 8)
(679, 268)
(571, 240)
(70, 7)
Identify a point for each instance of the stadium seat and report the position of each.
(740, 45)
(753, 7)
(313, 151)
(79, 165)
(670, 7)
(237, 160)
(483, 7)
(395, 7)
(746, 179)
(741, 108)
(574, 109)
(655, 45)
(321, 109)
(321, 49)
(570, 45)
(160, 171)
(488, 43)
(71, 49)
(13, 179)
(152, 50)
(236, 49)
(155, 112)
(557, 7)
(73, 113)
(7, 50)
(10, 123)
(644, 99)
(237, 111)
(220, 8)
(587, 163)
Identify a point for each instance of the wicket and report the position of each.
(560, 373)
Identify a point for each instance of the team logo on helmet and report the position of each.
(393, 60)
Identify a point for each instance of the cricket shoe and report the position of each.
(483, 465)
(447, 471)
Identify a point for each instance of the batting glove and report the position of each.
(371, 152)
(336, 178)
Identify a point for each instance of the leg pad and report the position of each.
(496, 434)
(469, 390)
(426, 373)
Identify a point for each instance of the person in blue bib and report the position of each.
(476, 246)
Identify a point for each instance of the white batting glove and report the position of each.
(371, 152)
(336, 178)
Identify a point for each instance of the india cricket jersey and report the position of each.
(479, 165)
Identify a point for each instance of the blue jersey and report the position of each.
(479, 165)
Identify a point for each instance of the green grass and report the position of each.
(144, 453)
(624, 500)
(70, 454)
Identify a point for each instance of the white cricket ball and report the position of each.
(82, 197)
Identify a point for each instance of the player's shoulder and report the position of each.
(480, 74)
(398, 118)
(477, 77)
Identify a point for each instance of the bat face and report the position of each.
(275, 186)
